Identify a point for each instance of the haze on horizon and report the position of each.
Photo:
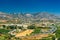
(50, 6)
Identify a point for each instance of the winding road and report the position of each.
(52, 30)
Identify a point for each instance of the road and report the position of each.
(52, 30)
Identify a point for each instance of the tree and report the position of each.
(58, 33)
(4, 26)
(20, 27)
(53, 37)
(46, 38)
(12, 27)
(58, 38)
(31, 27)
(36, 31)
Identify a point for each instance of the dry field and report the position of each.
(24, 33)
(35, 37)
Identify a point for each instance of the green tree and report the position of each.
(58, 33)
(53, 37)
(58, 38)
(36, 31)
(5, 27)
(31, 27)
(46, 38)
(12, 27)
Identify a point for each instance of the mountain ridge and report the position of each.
(29, 17)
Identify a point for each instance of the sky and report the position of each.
(32, 6)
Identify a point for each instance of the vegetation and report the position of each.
(4, 31)
(46, 39)
(31, 27)
(5, 36)
(53, 37)
(8, 37)
(36, 31)
(58, 38)
(58, 33)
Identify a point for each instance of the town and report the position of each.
(44, 29)
(29, 19)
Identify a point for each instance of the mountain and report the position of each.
(37, 17)
(28, 17)
(5, 16)
(43, 15)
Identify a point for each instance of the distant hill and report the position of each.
(28, 17)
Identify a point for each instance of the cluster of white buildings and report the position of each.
(21, 25)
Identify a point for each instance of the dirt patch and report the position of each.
(24, 33)
(38, 36)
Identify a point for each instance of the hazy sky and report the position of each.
(51, 6)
